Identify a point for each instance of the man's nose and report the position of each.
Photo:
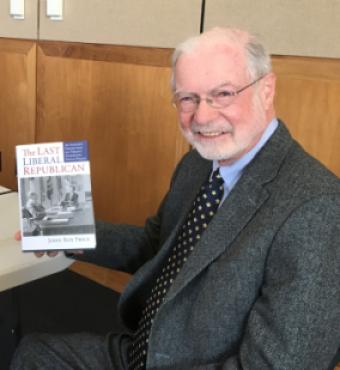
(205, 112)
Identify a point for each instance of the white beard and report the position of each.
(208, 151)
(232, 146)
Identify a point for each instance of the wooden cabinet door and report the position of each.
(288, 27)
(18, 85)
(17, 102)
(150, 23)
(118, 98)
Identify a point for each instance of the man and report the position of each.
(33, 206)
(70, 198)
(239, 269)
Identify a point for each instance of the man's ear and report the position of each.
(268, 90)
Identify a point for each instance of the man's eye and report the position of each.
(222, 94)
(186, 99)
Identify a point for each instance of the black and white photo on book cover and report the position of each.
(55, 197)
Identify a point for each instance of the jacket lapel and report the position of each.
(229, 221)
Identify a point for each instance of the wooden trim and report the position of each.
(109, 278)
(8, 45)
(159, 57)
(327, 69)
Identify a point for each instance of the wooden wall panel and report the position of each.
(124, 110)
(17, 102)
(307, 99)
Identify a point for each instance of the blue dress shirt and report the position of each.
(232, 173)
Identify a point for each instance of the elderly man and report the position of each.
(239, 269)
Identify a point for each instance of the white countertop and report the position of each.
(17, 267)
(3, 189)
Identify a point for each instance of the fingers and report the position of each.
(49, 253)
(39, 254)
(52, 253)
(17, 235)
(55, 253)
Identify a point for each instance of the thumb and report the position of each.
(17, 235)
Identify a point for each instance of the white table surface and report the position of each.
(3, 189)
(17, 267)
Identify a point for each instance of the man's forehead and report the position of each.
(230, 49)
(211, 66)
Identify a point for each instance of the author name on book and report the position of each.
(69, 239)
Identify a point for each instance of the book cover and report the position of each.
(55, 199)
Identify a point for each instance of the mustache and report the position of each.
(211, 127)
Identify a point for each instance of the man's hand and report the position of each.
(17, 236)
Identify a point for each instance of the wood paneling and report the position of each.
(112, 279)
(124, 110)
(307, 99)
(17, 102)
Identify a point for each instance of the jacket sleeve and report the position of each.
(127, 247)
(123, 247)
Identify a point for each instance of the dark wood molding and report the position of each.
(158, 57)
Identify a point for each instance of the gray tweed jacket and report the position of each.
(261, 289)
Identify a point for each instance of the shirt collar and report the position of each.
(231, 173)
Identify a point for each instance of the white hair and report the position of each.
(257, 57)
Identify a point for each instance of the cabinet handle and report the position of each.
(17, 9)
(0, 163)
(54, 9)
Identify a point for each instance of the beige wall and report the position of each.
(288, 27)
(26, 28)
(125, 22)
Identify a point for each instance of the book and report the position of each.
(55, 197)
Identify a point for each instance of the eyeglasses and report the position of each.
(217, 98)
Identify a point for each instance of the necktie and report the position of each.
(203, 209)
